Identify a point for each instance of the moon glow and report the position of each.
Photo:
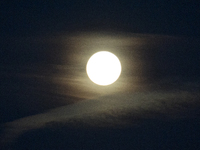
(103, 68)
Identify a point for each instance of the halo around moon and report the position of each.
(103, 68)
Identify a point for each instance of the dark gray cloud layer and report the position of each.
(115, 111)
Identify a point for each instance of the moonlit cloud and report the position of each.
(117, 110)
(157, 81)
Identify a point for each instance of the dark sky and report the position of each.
(39, 17)
(47, 100)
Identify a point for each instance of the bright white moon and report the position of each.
(103, 68)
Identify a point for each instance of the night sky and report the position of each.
(47, 100)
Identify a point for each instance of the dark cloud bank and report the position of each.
(143, 120)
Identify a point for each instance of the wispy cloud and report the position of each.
(112, 110)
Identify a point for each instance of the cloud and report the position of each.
(119, 110)
(155, 83)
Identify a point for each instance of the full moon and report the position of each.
(103, 68)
